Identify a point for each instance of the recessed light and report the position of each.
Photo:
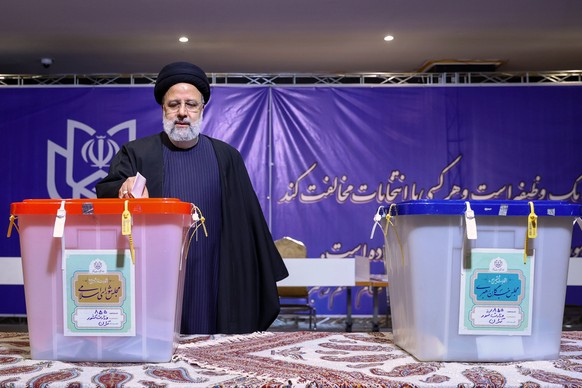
(183, 39)
(388, 38)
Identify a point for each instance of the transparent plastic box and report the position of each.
(441, 309)
(81, 307)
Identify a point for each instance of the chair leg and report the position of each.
(313, 313)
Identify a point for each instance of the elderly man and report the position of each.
(231, 275)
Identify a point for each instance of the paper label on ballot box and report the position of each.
(98, 293)
(496, 292)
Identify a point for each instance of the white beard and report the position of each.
(179, 134)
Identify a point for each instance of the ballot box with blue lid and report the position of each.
(478, 280)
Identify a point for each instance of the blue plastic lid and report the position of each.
(486, 208)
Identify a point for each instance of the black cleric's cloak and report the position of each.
(250, 264)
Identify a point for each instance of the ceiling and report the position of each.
(291, 36)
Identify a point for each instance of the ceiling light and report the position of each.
(388, 38)
(183, 39)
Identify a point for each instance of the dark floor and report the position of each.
(13, 324)
(572, 322)
(332, 323)
(572, 318)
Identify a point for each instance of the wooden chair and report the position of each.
(295, 300)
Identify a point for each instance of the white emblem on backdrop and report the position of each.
(96, 152)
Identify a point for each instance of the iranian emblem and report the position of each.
(85, 160)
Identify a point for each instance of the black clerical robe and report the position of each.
(250, 264)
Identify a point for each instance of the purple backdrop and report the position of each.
(322, 159)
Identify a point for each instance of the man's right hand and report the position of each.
(125, 189)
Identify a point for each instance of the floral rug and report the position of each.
(369, 359)
(288, 359)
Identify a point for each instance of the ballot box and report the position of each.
(478, 280)
(103, 278)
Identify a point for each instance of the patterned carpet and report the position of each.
(288, 359)
(368, 359)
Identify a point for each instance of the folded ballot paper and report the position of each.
(138, 186)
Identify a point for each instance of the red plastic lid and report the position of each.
(102, 206)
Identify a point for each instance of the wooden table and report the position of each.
(345, 272)
(375, 282)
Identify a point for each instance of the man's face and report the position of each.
(182, 110)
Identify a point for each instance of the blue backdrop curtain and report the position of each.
(322, 159)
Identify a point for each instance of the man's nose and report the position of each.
(182, 111)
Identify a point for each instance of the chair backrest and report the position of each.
(290, 248)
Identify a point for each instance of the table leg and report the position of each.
(375, 324)
(349, 309)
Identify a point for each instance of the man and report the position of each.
(231, 275)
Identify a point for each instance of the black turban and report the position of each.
(178, 72)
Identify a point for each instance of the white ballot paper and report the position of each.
(138, 186)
